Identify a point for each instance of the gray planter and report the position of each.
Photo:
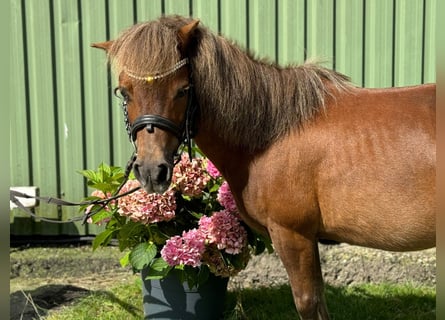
(168, 298)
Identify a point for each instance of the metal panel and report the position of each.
(378, 43)
(291, 31)
(408, 45)
(21, 173)
(180, 7)
(148, 10)
(207, 12)
(96, 87)
(43, 107)
(69, 106)
(121, 16)
(97, 84)
(429, 54)
(234, 20)
(320, 31)
(66, 118)
(262, 28)
(348, 42)
(20, 157)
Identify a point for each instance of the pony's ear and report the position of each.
(186, 33)
(103, 45)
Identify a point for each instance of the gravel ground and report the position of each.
(54, 276)
(347, 265)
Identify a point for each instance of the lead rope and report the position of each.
(14, 195)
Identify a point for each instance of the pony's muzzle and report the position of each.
(154, 178)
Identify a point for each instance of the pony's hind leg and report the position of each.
(300, 257)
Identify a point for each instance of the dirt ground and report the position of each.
(58, 275)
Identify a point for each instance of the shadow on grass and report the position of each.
(34, 304)
(361, 302)
(276, 303)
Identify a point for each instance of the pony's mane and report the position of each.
(248, 102)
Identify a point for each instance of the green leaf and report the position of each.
(142, 255)
(186, 198)
(159, 264)
(125, 260)
(268, 244)
(259, 248)
(102, 238)
(89, 174)
(104, 168)
(196, 215)
(191, 275)
(158, 269)
(132, 231)
(203, 274)
(105, 187)
(214, 188)
(118, 177)
(100, 215)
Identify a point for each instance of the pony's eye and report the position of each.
(182, 92)
(121, 92)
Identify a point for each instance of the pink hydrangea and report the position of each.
(146, 208)
(190, 178)
(225, 198)
(224, 230)
(185, 250)
(212, 170)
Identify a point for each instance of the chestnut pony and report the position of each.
(308, 156)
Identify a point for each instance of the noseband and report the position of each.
(184, 132)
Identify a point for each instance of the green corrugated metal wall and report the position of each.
(65, 118)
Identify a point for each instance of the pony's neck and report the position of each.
(234, 164)
(227, 158)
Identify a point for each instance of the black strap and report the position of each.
(149, 121)
(190, 118)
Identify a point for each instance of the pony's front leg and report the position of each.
(300, 257)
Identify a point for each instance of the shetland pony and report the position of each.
(308, 155)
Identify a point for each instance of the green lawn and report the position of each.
(355, 302)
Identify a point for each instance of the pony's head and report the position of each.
(152, 62)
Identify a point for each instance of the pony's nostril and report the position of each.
(142, 174)
(163, 173)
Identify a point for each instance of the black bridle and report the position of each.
(184, 133)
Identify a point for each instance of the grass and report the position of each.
(120, 302)
(363, 302)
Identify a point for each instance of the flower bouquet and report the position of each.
(193, 229)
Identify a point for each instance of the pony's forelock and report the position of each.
(147, 47)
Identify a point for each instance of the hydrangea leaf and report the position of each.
(142, 255)
(158, 269)
(102, 238)
(125, 260)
